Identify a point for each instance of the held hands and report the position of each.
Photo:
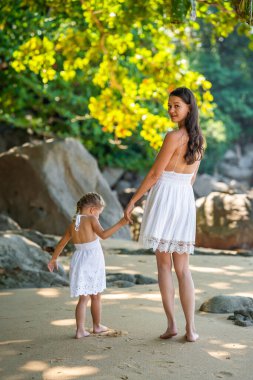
(128, 211)
(123, 221)
(52, 265)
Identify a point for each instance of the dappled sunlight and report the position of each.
(220, 285)
(112, 267)
(158, 310)
(221, 355)
(235, 346)
(199, 291)
(49, 293)
(95, 357)
(69, 373)
(34, 366)
(4, 294)
(64, 322)
(240, 281)
(244, 294)
(234, 267)
(7, 342)
(120, 296)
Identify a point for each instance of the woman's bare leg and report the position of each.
(164, 266)
(187, 293)
(96, 313)
(80, 317)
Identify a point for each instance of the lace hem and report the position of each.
(86, 292)
(168, 246)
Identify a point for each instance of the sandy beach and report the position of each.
(38, 325)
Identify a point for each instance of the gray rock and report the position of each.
(41, 183)
(235, 172)
(23, 264)
(242, 318)
(205, 184)
(125, 195)
(225, 221)
(6, 223)
(122, 185)
(124, 280)
(112, 175)
(226, 304)
(231, 157)
(120, 284)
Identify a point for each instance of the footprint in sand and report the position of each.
(222, 374)
(112, 333)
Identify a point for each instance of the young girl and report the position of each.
(169, 219)
(87, 267)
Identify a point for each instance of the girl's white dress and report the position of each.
(87, 268)
(169, 219)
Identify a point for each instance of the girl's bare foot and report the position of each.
(99, 329)
(169, 333)
(191, 337)
(81, 334)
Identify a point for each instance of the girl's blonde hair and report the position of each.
(90, 199)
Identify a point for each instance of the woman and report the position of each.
(169, 220)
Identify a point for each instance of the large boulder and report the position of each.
(225, 221)
(23, 264)
(205, 184)
(7, 223)
(41, 183)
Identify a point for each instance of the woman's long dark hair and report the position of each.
(195, 148)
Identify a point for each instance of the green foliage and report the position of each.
(101, 71)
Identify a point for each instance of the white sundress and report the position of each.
(169, 219)
(87, 267)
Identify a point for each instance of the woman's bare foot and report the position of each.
(81, 334)
(191, 337)
(169, 333)
(99, 329)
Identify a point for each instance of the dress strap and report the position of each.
(78, 221)
(180, 147)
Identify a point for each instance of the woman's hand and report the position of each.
(128, 211)
(52, 265)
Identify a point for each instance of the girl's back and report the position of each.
(82, 230)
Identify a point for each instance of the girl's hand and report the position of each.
(52, 265)
(123, 221)
(128, 211)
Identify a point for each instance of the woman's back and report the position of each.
(177, 162)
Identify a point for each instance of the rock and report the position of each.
(43, 240)
(225, 221)
(242, 318)
(125, 196)
(235, 172)
(226, 304)
(23, 264)
(205, 184)
(121, 284)
(231, 157)
(112, 175)
(6, 223)
(11, 136)
(122, 185)
(41, 183)
(137, 216)
(125, 280)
